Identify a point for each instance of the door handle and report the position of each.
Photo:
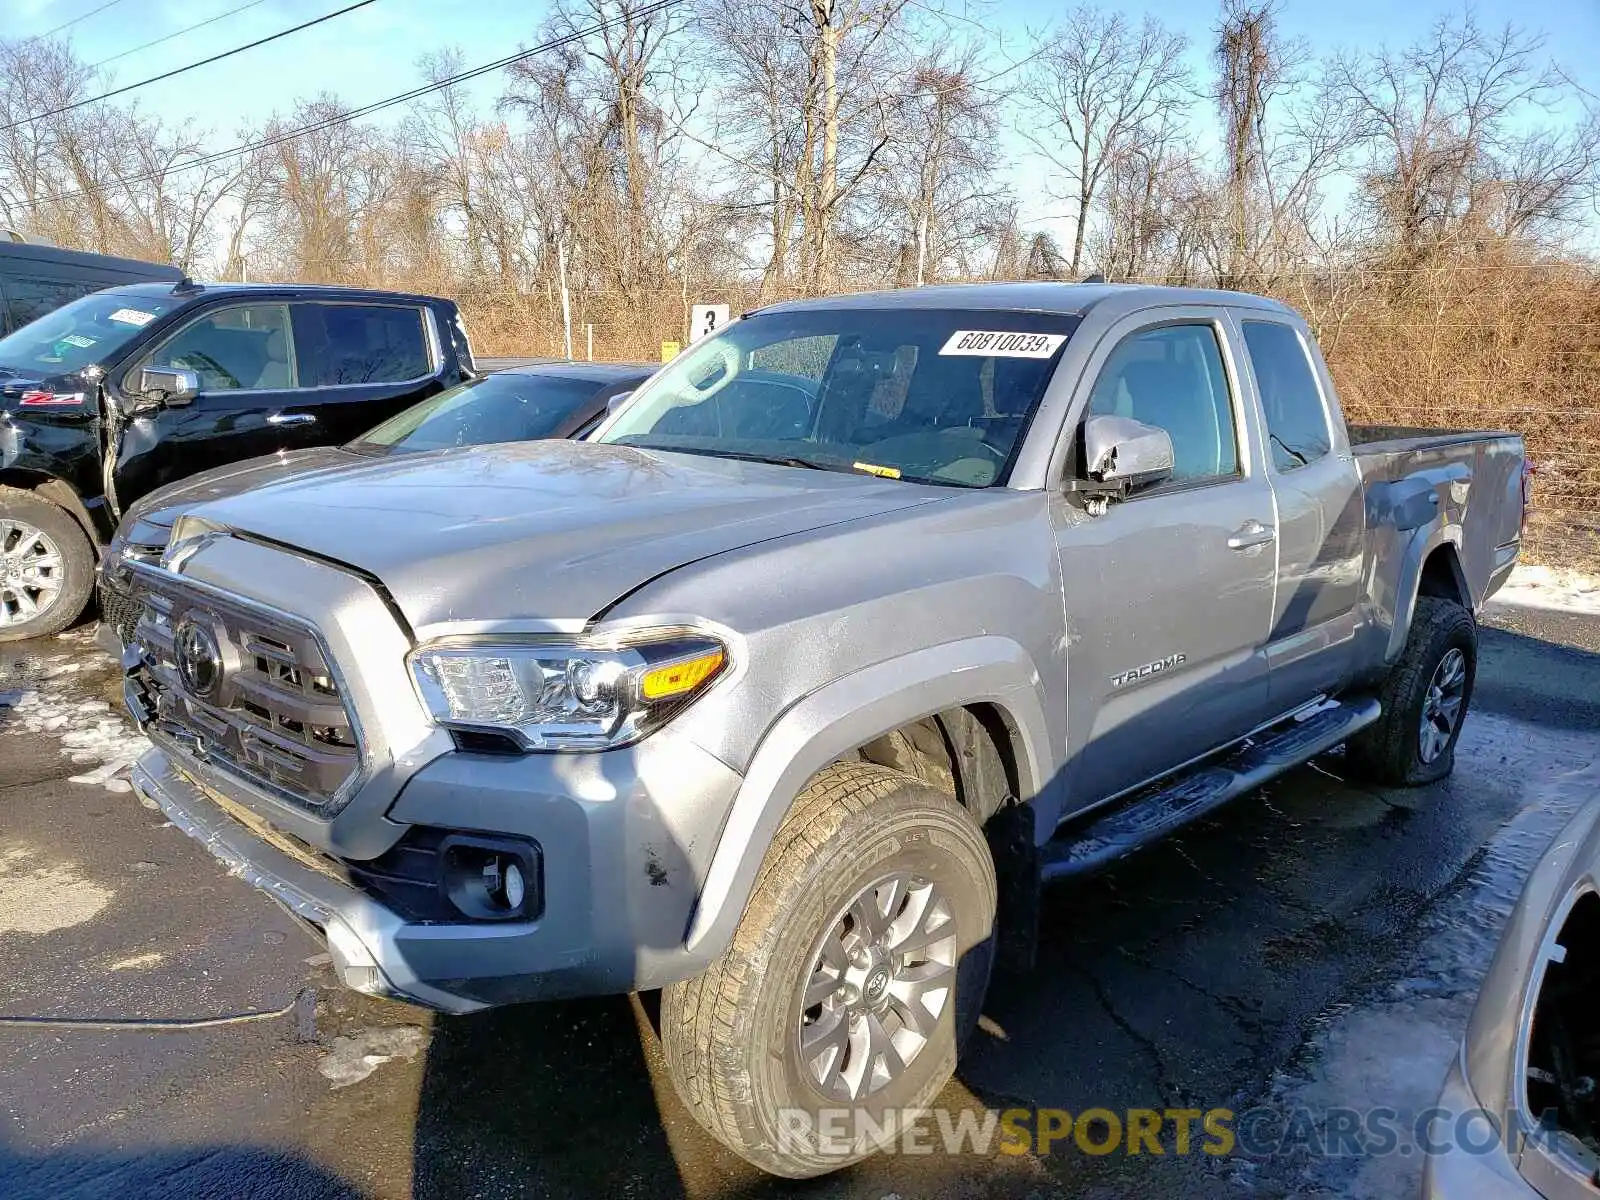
(1251, 533)
(279, 418)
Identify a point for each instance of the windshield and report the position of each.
(937, 396)
(83, 332)
(495, 408)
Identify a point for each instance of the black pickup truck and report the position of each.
(131, 388)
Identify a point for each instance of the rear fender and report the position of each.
(1424, 544)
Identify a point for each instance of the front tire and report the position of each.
(858, 969)
(46, 567)
(1425, 699)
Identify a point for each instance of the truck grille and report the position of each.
(246, 689)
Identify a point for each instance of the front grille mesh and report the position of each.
(276, 715)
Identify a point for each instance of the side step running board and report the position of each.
(1152, 814)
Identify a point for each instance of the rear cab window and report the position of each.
(349, 345)
(1291, 401)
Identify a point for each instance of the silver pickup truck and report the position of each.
(856, 625)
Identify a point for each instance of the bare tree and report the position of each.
(1451, 152)
(1096, 90)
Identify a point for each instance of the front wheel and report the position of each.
(859, 967)
(1424, 698)
(46, 567)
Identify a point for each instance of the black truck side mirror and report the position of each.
(170, 385)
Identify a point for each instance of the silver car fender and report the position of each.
(846, 713)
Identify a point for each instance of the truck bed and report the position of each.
(1425, 479)
(1377, 439)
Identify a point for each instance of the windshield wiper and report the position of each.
(778, 460)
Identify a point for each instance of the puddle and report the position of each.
(1392, 1048)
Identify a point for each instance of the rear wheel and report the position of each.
(46, 567)
(858, 969)
(1424, 698)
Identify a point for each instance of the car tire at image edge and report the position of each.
(45, 560)
(878, 893)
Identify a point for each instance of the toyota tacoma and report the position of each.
(853, 628)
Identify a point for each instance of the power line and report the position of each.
(66, 108)
(187, 29)
(75, 20)
(376, 106)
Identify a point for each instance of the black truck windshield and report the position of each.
(83, 332)
(938, 396)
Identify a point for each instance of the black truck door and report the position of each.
(246, 360)
(367, 360)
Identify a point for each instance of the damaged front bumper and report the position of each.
(618, 888)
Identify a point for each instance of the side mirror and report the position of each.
(1126, 453)
(617, 401)
(170, 385)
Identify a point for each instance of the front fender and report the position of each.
(847, 713)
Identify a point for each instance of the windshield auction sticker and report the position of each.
(132, 316)
(1000, 344)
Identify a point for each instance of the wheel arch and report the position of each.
(1432, 567)
(979, 707)
(57, 491)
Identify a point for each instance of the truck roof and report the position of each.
(1065, 298)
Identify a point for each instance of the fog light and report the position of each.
(490, 879)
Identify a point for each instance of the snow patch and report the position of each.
(355, 1057)
(1535, 586)
(43, 899)
(92, 734)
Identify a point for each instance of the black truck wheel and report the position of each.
(1424, 697)
(859, 967)
(46, 567)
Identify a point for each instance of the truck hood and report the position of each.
(543, 530)
(164, 505)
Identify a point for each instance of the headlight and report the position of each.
(566, 694)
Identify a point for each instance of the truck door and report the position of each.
(1321, 519)
(246, 361)
(1168, 593)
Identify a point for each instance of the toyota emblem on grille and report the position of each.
(199, 659)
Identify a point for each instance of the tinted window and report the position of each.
(1173, 378)
(30, 299)
(496, 408)
(85, 331)
(369, 343)
(940, 396)
(247, 347)
(1297, 421)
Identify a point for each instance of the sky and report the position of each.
(372, 53)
